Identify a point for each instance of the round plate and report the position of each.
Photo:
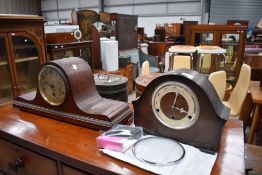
(158, 151)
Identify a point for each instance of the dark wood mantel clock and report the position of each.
(66, 91)
(182, 105)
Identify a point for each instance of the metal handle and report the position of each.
(16, 164)
(103, 77)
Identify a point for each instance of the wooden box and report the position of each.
(54, 38)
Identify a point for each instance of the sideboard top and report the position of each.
(19, 16)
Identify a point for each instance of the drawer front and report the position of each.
(20, 161)
(67, 170)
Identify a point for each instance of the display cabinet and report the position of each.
(22, 51)
(229, 37)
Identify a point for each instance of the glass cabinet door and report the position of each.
(5, 77)
(230, 42)
(26, 62)
(203, 38)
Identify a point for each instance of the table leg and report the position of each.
(201, 62)
(191, 61)
(254, 125)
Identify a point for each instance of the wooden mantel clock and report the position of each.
(66, 91)
(182, 105)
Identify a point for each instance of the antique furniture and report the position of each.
(217, 35)
(140, 35)
(181, 49)
(186, 31)
(175, 104)
(239, 93)
(145, 68)
(143, 80)
(65, 37)
(214, 50)
(160, 32)
(125, 71)
(256, 94)
(138, 58)
(47, 146)
(22, 51)
(238, 22)
(218, 80)
(181, 61)
(85, 18)
(66, 91)
(112, 86)
(126, 30)
(255, 62)
(81, 49)
(156, 48)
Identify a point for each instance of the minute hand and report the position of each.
(174, 102)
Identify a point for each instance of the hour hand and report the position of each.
(181, 110)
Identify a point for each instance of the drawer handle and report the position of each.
(16, 164)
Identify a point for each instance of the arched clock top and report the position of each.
(183, 105)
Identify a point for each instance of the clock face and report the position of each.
(51, 85)
(175, 105)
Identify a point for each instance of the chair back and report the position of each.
(239, 92)
(145, 68)
(181, 61)
(206, 63)
(218, 80)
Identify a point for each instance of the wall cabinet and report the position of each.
(229, 37)
(22, 51)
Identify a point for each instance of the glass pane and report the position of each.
(203, 39)
(5, 78)
(230, 42)
(27, 63)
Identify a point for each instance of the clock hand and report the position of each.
(181, 110)
(174, 102)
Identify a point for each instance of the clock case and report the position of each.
(206, 131)
(82, 104)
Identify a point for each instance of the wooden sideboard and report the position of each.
(31, 144)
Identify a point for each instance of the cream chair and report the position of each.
(205, 64)
(145, 68)
(239, 92)
(218, 80)
(181, 61)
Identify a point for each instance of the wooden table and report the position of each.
(253, 158)
(124, 71)
(63, 148)
(256, 94)
(143, 81)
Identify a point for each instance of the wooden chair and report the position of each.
(145, 68)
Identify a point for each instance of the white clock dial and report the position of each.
(175, 105)
(51, 85)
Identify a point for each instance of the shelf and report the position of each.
(19, 60)
(25, 59)
(25, 46)
(3, 63)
